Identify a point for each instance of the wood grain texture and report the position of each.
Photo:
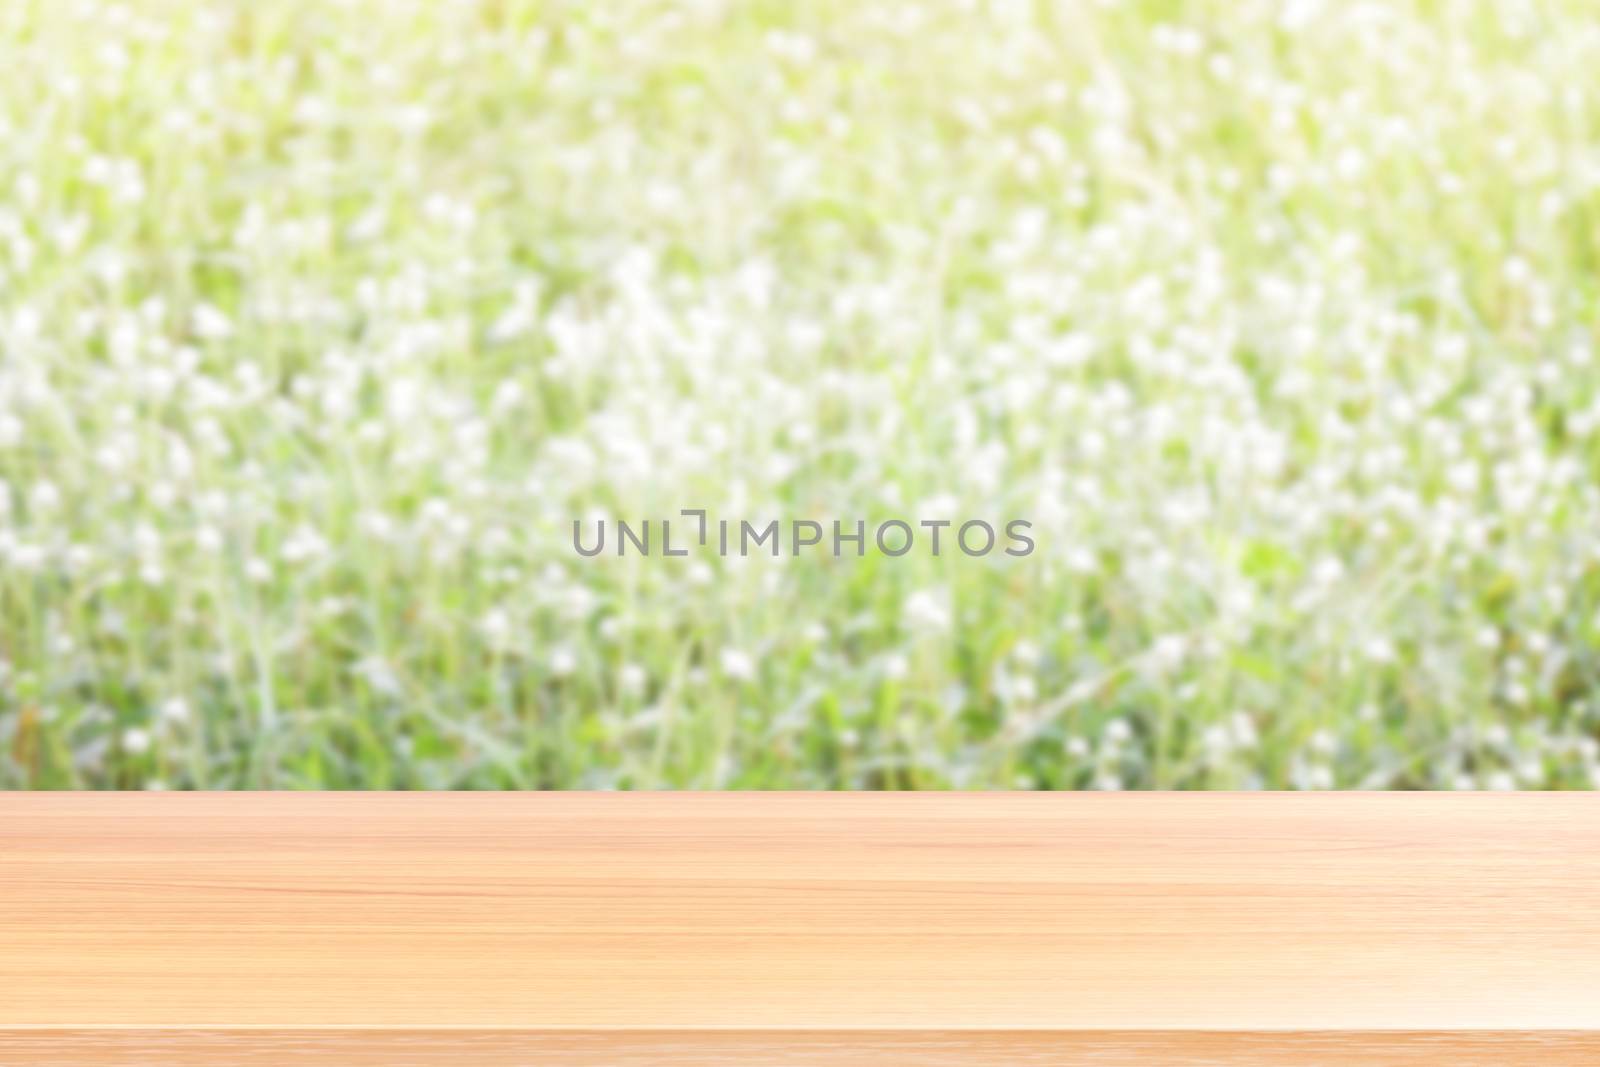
(790, 1048)
(816, 928)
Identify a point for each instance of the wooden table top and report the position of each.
(838, 928)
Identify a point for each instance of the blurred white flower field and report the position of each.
(322, 320)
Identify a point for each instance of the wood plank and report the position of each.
(792, 1048)
(931, 928)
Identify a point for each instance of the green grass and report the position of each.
(320, 322)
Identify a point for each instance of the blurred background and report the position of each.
(321, 321)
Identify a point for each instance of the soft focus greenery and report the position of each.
(320, 321)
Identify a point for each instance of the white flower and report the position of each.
(496, 626)
(562, 661)
(927, 610)
(632, 678)
(1244, 730)
(210, 323)
(44, 496)
(737, 665)
(1169, 650)
(135, 740)
(303, 545)
(1379, 650)
(378, 674)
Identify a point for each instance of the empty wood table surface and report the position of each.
(829, 929)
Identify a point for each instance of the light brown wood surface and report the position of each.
(821, 928)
